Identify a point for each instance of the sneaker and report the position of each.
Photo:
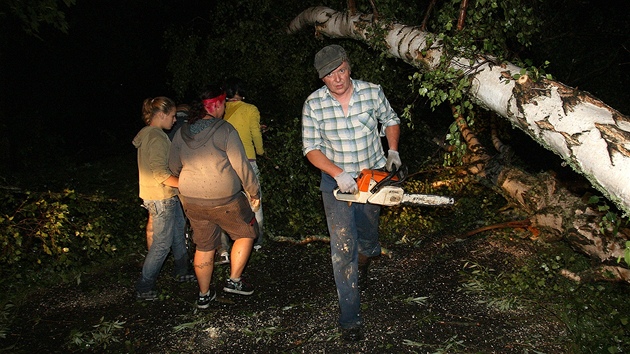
(204, 300)
(238, 287)
(186, 278)
(224, 258)
(148, 296)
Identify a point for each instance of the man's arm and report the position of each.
(319, 160)
(392, 133)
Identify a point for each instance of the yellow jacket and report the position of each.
(245, 118)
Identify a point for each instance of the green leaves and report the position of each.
(50, 227)
(290, 186)
(34, 13)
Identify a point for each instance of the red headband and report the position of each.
(209, 103)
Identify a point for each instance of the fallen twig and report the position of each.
(513, 224)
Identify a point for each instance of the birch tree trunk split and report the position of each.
(590, 136)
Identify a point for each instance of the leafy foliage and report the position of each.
(47, 231)
(104, 334)
(63, 228)
(498, 28)
(32, 13)
(291, 197)
(251, 43)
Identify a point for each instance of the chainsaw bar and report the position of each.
(427, 199)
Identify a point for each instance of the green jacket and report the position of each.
(153, 145)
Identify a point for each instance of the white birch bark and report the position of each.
(591, 137)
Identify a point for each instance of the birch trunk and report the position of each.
(590, 136)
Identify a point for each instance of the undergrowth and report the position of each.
(596, 315)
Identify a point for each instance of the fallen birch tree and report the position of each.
(590, 136)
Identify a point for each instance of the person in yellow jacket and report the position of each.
(245, 118)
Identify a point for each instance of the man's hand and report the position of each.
(393, 159)
(346, 183)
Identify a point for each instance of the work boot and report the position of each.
(353, 334)
(364, 265)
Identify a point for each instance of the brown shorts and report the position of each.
(235, 218)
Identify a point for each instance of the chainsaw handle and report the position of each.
(387, 180)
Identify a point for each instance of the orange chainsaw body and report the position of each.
(366, 176)
(387, 194)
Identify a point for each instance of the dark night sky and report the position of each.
(93, 80)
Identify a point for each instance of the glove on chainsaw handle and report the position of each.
(400, 173)
(346, 183)
(393, 160)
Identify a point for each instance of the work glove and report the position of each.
(346, 183)
(393, 159)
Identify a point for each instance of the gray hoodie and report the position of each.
(209, 158)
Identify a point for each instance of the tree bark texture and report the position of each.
(590, 136)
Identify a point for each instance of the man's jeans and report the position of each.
(353, 229)
(168, 234)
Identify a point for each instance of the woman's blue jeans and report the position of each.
(168, 234)
(353, 229)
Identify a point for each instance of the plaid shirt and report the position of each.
(353, 142)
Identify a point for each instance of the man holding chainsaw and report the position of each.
(342, 126)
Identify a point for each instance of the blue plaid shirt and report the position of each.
(353, 142)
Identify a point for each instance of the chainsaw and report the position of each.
(383, 188)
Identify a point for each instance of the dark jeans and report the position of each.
(353, 229)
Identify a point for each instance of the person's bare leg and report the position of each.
(241, 249)
(149, 231)
(204, 265)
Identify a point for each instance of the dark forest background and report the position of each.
(79, 94)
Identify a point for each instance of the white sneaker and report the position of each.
(224, 258)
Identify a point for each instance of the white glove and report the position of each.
(392, 159)
(346, 183)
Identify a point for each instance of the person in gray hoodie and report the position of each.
(219, 191)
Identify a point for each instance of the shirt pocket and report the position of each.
(366, 121)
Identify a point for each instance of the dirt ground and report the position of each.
(414, 304)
